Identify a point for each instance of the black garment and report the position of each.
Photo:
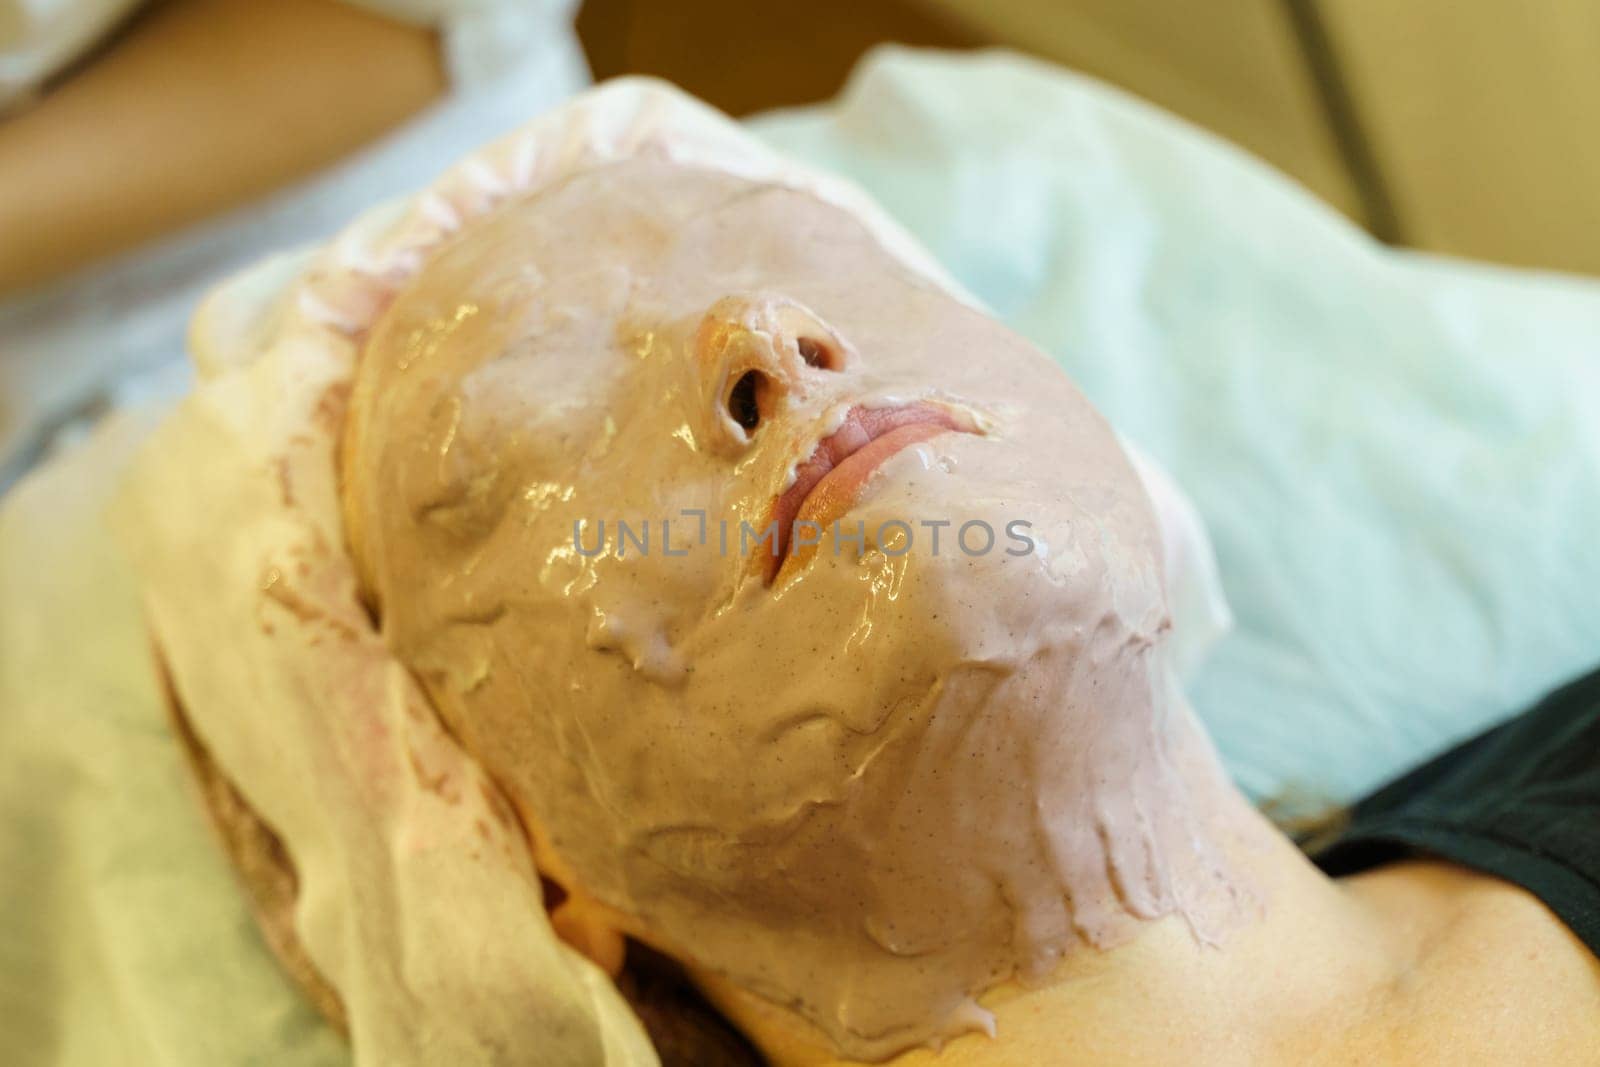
(1521, 802)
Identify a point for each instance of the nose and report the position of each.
(758, 355)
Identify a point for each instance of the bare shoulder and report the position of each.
(1498, 978)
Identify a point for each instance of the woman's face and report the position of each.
(863, 778)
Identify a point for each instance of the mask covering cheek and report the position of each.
(938, 786)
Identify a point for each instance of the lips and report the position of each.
(828, 483)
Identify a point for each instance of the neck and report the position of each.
(1311, 958)
(1415, 963)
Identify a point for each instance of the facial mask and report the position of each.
(928, 744)
(866, 784)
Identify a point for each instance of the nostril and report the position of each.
(745, 398)
(817, 353)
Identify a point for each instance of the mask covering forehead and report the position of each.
(867, 793)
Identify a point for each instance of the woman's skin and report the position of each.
(525, 379)
(1419, 962)
(199, 106)
(941, 766)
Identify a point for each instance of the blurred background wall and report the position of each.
(1460, 126)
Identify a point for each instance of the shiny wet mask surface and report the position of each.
(864, 778)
